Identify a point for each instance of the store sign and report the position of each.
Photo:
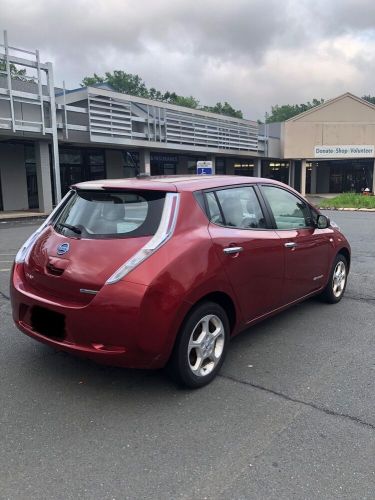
(344, 151)
(204, 167)
(163, 158)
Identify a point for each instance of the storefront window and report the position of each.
(163, 164)
(131, 163)
(244, 167)
(277, 170)
(220, 167)
(350, 176)
(79, 165)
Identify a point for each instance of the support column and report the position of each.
(43, 175)
(314, 176)
(303, 177)
(145, 162)
(55, 145)
(373, 179)
(258, 167)
(292, 173)
(213, 159)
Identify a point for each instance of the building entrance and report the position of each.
(277, 170)
(78, 165)
(350, 175)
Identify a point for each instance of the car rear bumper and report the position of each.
(117, 327)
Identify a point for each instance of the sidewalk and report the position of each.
(21, 215)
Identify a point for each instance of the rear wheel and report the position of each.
(336, 285)
(201, 346)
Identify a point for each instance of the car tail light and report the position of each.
(162, 235)
(27, 246)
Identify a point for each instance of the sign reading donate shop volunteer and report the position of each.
(345, 151)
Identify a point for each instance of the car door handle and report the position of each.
(290, 244)
(230, 250)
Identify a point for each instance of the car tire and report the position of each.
(201, 346)
(336, 285)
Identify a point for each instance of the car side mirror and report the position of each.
(323, 222)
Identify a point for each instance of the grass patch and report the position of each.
(349, 200)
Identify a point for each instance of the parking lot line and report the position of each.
(3, 270)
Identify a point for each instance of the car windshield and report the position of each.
(111, 214)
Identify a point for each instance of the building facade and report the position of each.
(335, 145)
(51, 138)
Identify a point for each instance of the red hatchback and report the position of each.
(163, 271)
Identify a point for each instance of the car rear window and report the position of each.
(111, 214)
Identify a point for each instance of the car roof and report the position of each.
(173, 182)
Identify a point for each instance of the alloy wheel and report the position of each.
(339, 279)
(206, 345)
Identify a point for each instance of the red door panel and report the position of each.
(255, 272)
(307, 254)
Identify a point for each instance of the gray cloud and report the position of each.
(252, 53)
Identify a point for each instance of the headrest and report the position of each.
(113, 211)
(233, 211)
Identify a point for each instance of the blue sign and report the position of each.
(204, 167)
(204, 170)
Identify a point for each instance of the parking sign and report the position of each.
(204, 167)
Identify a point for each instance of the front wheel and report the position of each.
(200, 346)
(336, 285)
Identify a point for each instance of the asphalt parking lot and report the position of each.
(292, 414)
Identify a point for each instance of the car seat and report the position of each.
(111, 215)
(233, 211)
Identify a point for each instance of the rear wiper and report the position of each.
(75, 229)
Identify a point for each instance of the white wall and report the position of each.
(13, 177)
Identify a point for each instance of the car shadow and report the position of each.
(85, 376)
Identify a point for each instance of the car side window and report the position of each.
(289, 211)
(241, 208)
(213, 209)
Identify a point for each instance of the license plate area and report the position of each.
(48, 323)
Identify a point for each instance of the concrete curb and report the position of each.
(5, 216)
(348, 209)
(9, 220)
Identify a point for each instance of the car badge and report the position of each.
(63, 248)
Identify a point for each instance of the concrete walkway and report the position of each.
(21, 214)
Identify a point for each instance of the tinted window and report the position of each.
(289, 211)
(213, 208)
(240, 207)
(100, 214)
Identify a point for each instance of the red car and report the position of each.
(163, 271)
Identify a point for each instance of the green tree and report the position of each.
(128, 83)
(286, 111)
(92, 80)
(15, 73)
(224, 109)
(120, 81)
(179, 100)
(369, 98)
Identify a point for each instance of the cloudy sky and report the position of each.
(252, 53)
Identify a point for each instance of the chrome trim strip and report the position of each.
(231, 250)
(86, 290)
